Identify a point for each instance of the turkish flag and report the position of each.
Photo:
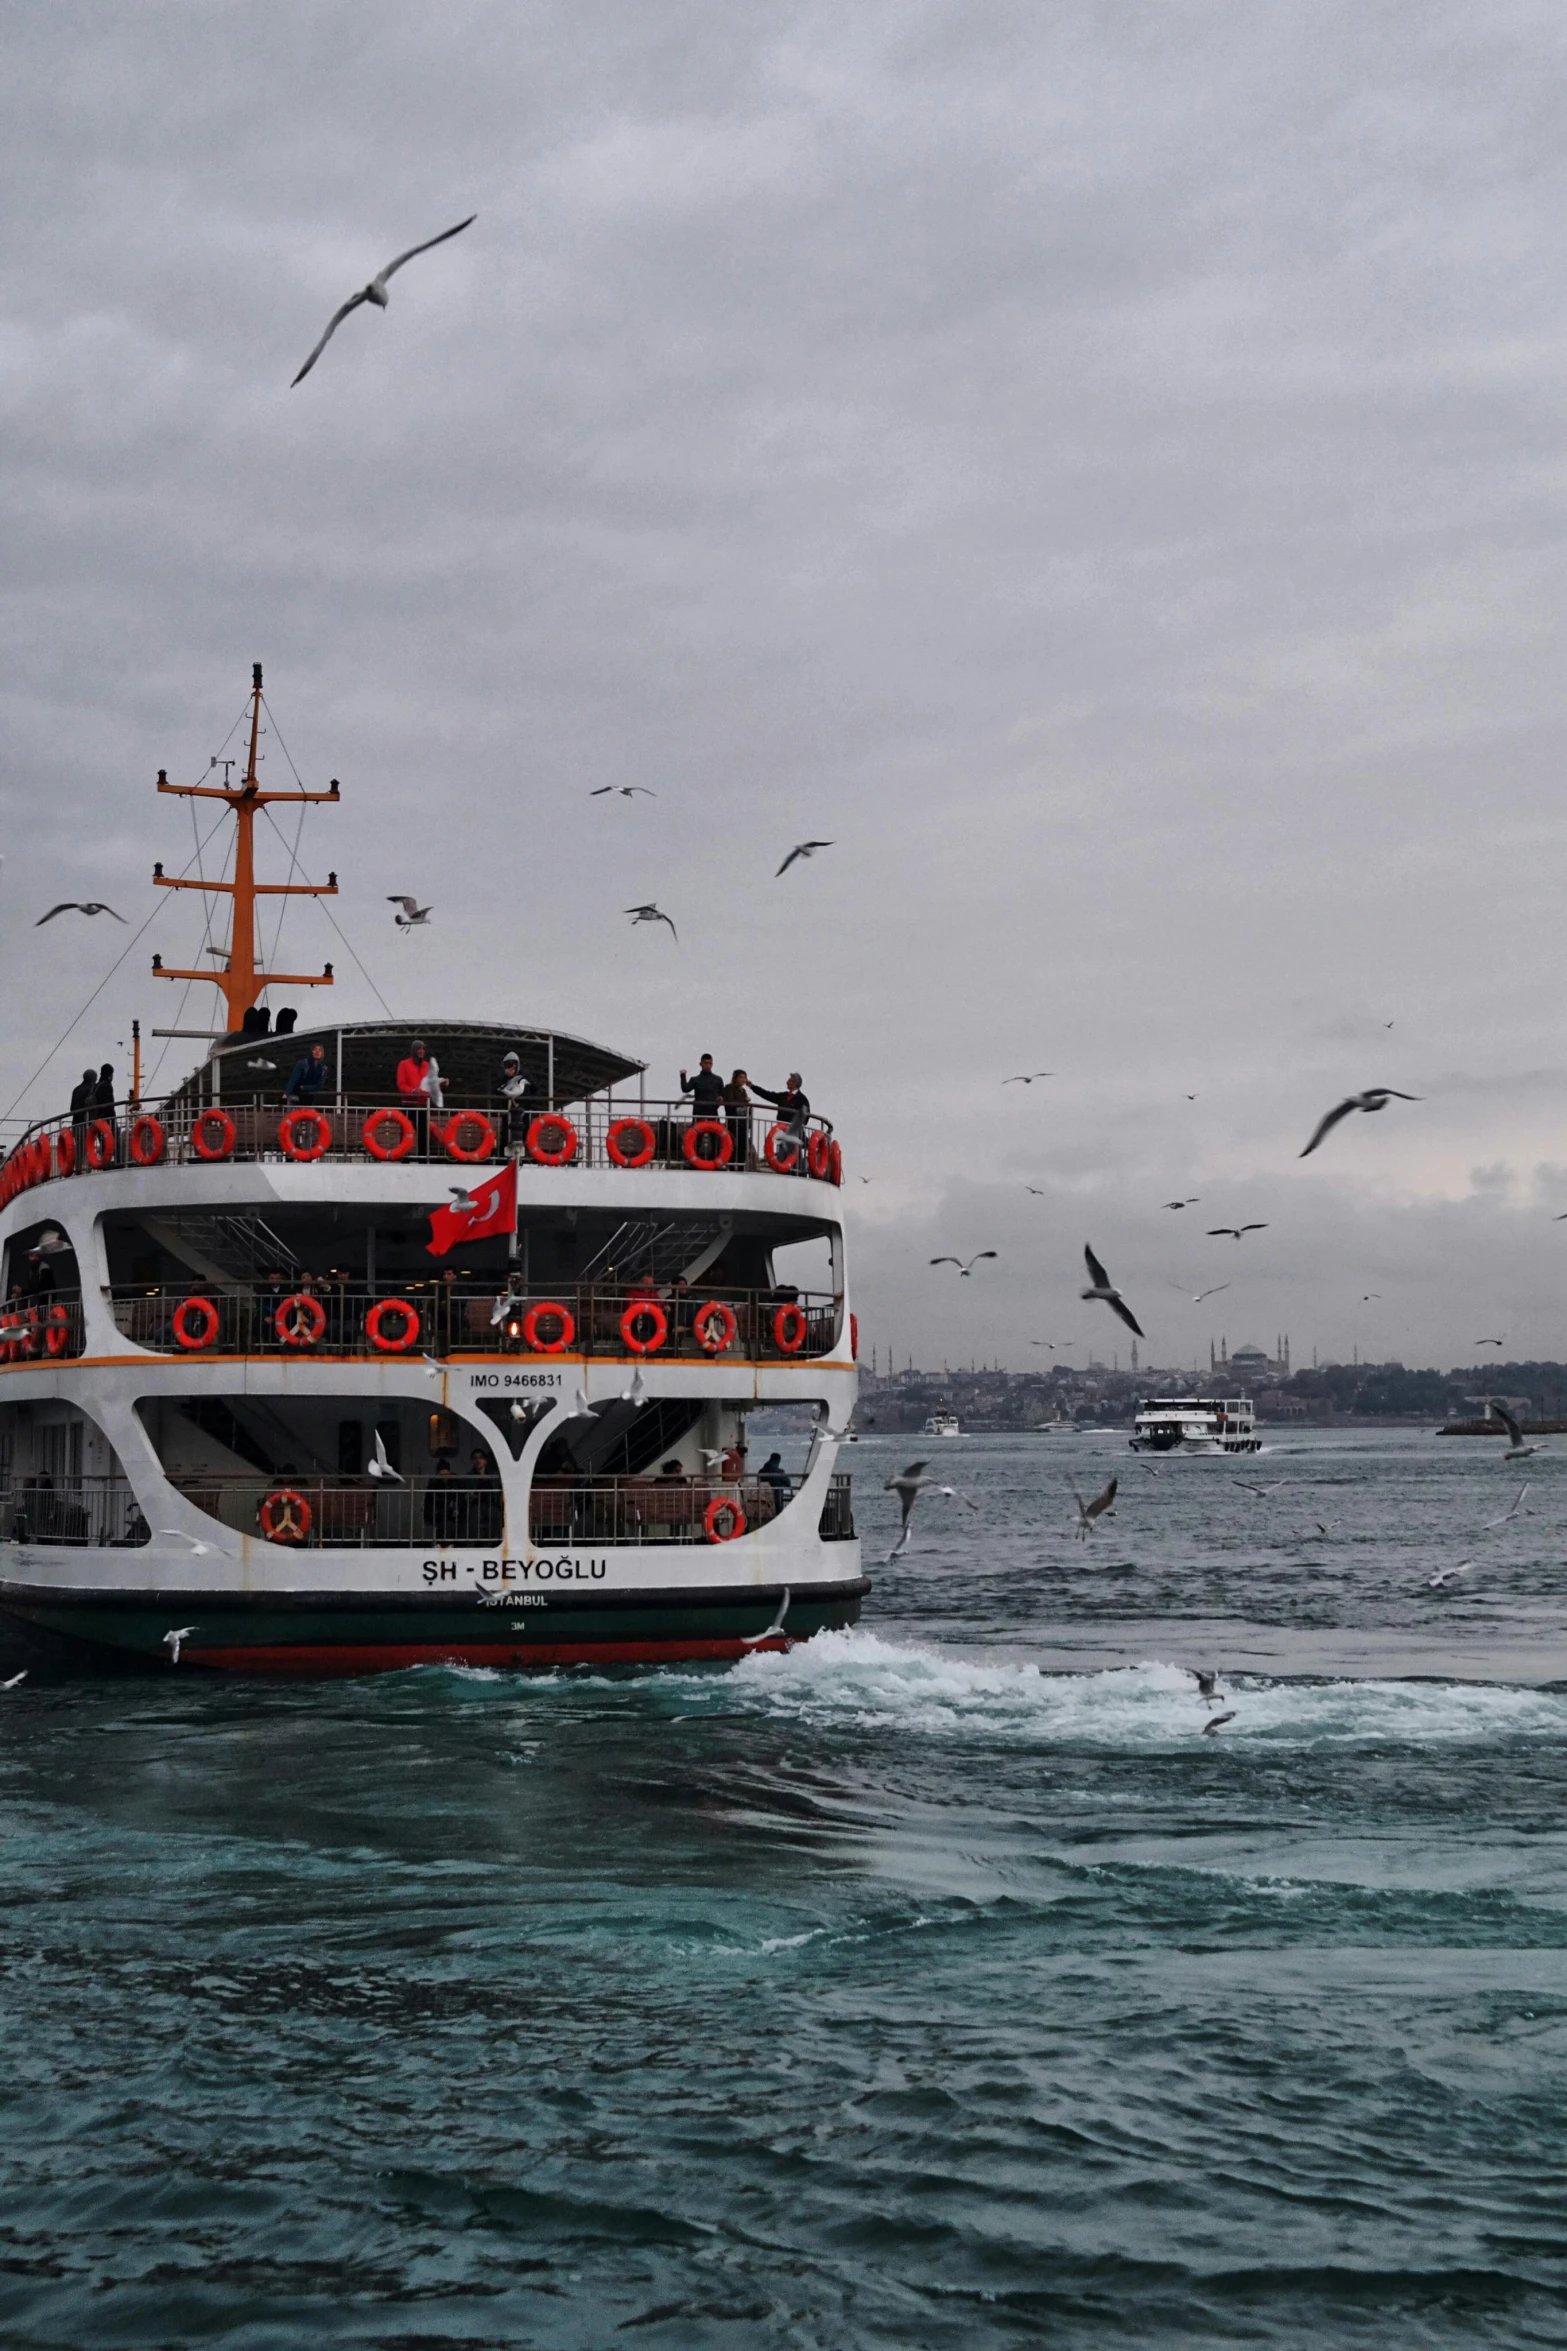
(493, 1210)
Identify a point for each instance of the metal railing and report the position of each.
(443, 1319)
(42, 1329)
(422, 1512)
(599, 1132)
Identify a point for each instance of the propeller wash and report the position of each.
(415, 1357)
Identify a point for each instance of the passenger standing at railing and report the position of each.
(410, 1090)
(308, 1080)
(706, 1089)
(103, 1104)
(794, 1110)
(81, 1112)
(737, 1117)
(513, 1090)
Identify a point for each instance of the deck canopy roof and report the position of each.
(362, 1057)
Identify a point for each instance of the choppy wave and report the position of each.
(856, 1678)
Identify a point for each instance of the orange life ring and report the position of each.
(715, 1510)
(835, 1163)
(27, 1330)
(288, 1134)
(406, 1137)
(378, 1338)
(57, 1336)
(227, 1135)
(286, 1517)
(148, 1140)
(616, 1149)
(300, 1320)
(785, 1166)
(715, 1326)
(65, 1151)
(790, 1318)
(483, 1147)
(818, 1155)
(100, 1145)
(192, 1340)
(542, 1125)
(530, 1327)
(708, 1126)
(639, 1310)
(10, 1331)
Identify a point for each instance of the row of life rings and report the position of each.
(21, 1329)
(286, 1517)
(392, 1325)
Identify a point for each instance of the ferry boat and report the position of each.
(942, 1423)
(1196, 1424)
(380, 1379)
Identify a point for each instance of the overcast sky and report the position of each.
(1102, 466)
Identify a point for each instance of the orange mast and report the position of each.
(240, 981)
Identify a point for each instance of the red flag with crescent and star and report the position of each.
(491, 1208)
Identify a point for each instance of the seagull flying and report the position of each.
(413, 913)
(1217, 1723)
(637, 1392)
(1029, 1079)
(15, 1679)
(1513, 1507)
(376, 291)
(1191, 1203)
(908, 1485)
(1491, 1342)
(1252, 1487)
(1445, 1575)
(178, 1535)
(754, 1640)
(1517, 1450)
(1374, 1098)
(1103, 1288)
(76, 906)
(964, 1271)
(174, 1641)
(1088, 1513)
(649, 913)
(1233, 1232)
(626, 791)
(801, 849)
(381, 1467)
(1207, 1686)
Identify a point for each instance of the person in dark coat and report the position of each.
(794, 1110)
(104, 1101)
(706, 1089)
(307, 1081)
(513, 1092)
(81, 1113)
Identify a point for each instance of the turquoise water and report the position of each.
(893, 1992)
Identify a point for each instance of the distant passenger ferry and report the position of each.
(1196, 1424)
(943, 1423)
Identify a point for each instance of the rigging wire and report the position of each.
(98, 990)
(293, 855)
(336, 925)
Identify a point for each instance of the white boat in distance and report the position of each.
(1196, 1424)
(943, 1423)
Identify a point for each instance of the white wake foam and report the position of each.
(856, 1678)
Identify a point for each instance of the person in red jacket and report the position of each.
(412, 1093)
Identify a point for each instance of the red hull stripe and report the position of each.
(392, 1656)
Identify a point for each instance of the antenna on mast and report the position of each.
(240, 980)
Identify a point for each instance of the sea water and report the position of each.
(938, 1983)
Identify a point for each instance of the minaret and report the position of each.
(240, 981)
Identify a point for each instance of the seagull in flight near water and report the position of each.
(413, 913)
(381, 1467)
(1102, 1288)
(908, 1485)
(1089, 1513)
(964, 1271)
(375, 292)
(1517, 1450)
(1233, 1232)
(1028, 1081)
(626, 791)
(1374, 1098)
